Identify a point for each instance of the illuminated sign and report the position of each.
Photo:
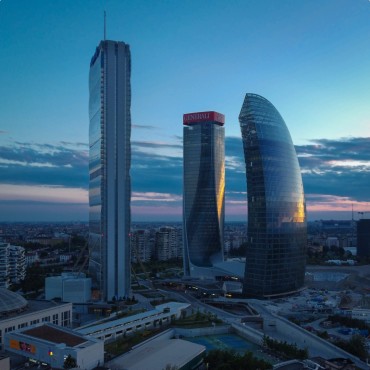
(22, 346)
(196, 117)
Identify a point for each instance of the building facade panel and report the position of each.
(275, 260)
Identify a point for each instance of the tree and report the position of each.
(69, 362)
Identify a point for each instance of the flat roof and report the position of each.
(33, 307)
(91, 328)
(157, 354)
(54, 335)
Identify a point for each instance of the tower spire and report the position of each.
(105, 25)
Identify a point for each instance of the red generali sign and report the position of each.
(196, 117)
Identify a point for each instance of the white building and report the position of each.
(69, 287)
(52, 345)
(361, 314)
(31, 258)
(16, 263)
(4, 257)
(17, 313)
(12, 264)
(110, 330)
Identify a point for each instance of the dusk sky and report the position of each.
(310, 58)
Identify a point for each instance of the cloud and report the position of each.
(336, 174)
(44, 164)
(46, 194)
(338, 167)
(144, 127)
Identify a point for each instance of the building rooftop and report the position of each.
(54, 335)
(11, 302)
(158, 354)
(95, 328)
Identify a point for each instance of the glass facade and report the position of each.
(109, 169)
(276, 252)
(203, 195)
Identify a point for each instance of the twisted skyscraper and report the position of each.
(276, 251)
(204, 192)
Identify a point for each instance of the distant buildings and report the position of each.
(363, 238)
(276, 252)
(110, 159)
(203, 192)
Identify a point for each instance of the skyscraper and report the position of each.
(204, 191)
(110, 159)
(363, 238)
(275, 259)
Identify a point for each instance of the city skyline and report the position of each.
(310, 60)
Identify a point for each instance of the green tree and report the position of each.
(70, 362)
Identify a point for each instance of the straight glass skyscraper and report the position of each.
(204, 192)
(109, 169)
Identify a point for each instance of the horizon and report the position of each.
(310, 61)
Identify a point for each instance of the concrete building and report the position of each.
(204, 192)
(4, 260)
(167, 243)
(12, 264)
(17, 313)
(50, 344)
(140, 246)
(110, 330)
(110, 161)
(361, 314)
(69, 287)
(277, 231)
(16, 263)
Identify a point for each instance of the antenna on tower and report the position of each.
(105, 25)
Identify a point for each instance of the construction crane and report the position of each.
(81, 255)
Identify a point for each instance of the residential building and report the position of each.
(140, 246)
(276, 252)
(16, 263)
(167, 243)
(203, 192)
(12, 264)
(110, 159)
(4, 261)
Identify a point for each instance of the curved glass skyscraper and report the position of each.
(276, 252)
(204, 192)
